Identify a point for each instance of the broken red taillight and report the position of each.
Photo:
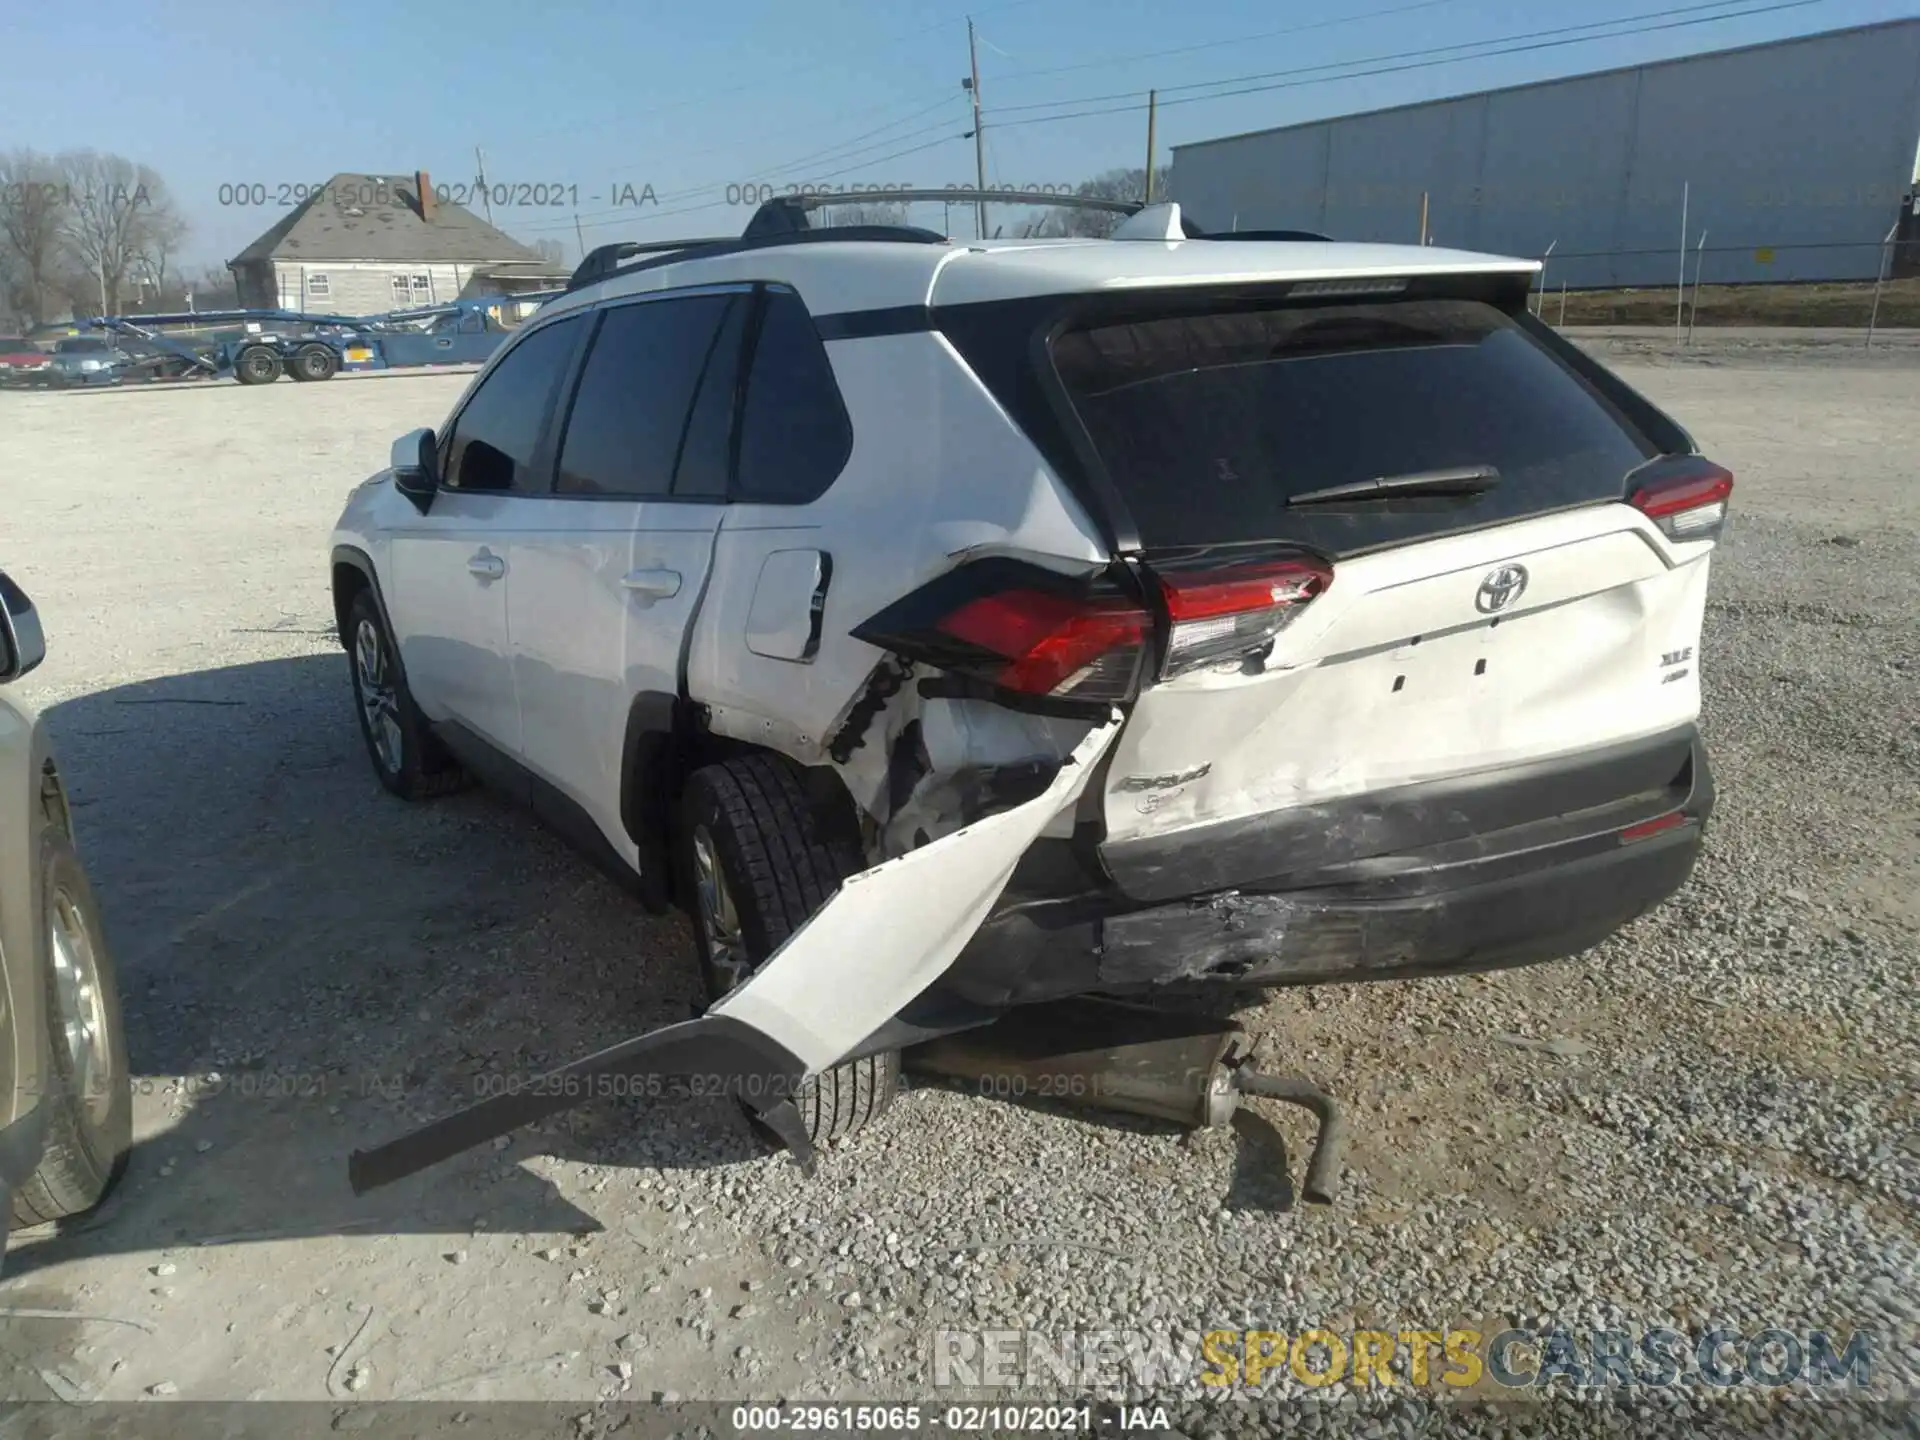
(1686, 497)
(1019, 628)
(1221, 615)
(1084, 648)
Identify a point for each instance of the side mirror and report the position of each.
(22, 643)
(416, 468)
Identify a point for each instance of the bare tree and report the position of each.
(1122, 184)
(115, 209)
(33, 215)
(162, 232)
(213, 289)
(551, 251)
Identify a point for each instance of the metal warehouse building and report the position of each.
(1794, 158)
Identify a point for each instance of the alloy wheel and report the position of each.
(719, 918)
(379, 702)
(80, 1006)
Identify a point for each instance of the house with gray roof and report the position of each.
(363, 244)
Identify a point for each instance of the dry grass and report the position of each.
(1836, 305)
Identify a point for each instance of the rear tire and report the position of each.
(314, 362)
(406, 757)
(89, 1082)
(747, 823)
(257, 365)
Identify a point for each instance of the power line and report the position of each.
(1421, 52)
(597, 217)
(632, 214)
(1053, 70)
(1425, 58)
(1139, 105)
(845, 150)
(1220, 44)
(834, 120)
(573, 130)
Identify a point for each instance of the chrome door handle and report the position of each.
(655, 584)
(486, 566)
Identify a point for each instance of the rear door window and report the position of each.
(630, 412)
(794, 433)
(1209, 423)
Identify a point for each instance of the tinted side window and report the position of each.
(497, 433)
(630, 412)
(706, 455)
(794, 433)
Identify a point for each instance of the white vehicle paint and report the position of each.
(1031, 543)
(1394, 676)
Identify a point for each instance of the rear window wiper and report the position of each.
(1461, 480)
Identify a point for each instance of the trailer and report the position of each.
(310, 347)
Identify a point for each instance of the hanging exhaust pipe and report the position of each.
(1193, 1070)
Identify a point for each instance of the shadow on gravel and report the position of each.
(328, 966)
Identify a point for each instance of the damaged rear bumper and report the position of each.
(1535, 892)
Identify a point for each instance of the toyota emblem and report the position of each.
(1500, 589)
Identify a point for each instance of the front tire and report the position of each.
(757, 859)
(90, 1089)
(406, 757)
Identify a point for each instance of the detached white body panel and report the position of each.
(891, 931)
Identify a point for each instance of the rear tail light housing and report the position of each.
(1029, 632)
(1021, 629)
(1220, 615)
(1039, 642)
(1686, 497)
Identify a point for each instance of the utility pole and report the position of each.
(1153, 100)
(480, 163)
(979, 140)
(1680, 301)
(580, 235)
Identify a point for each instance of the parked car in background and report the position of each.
(66, 1106)
(85, 360)
(21, 361)
(91, 360)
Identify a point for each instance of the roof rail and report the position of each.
(787, 220)
(677, 250)
(603, 260)
(788, 214)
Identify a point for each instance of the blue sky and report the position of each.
(596, 100)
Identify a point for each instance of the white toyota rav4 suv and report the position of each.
(952, 626)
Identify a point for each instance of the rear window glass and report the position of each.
(1209, 423)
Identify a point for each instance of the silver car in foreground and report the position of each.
(65, 1087)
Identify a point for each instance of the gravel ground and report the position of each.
(1709, 1120)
